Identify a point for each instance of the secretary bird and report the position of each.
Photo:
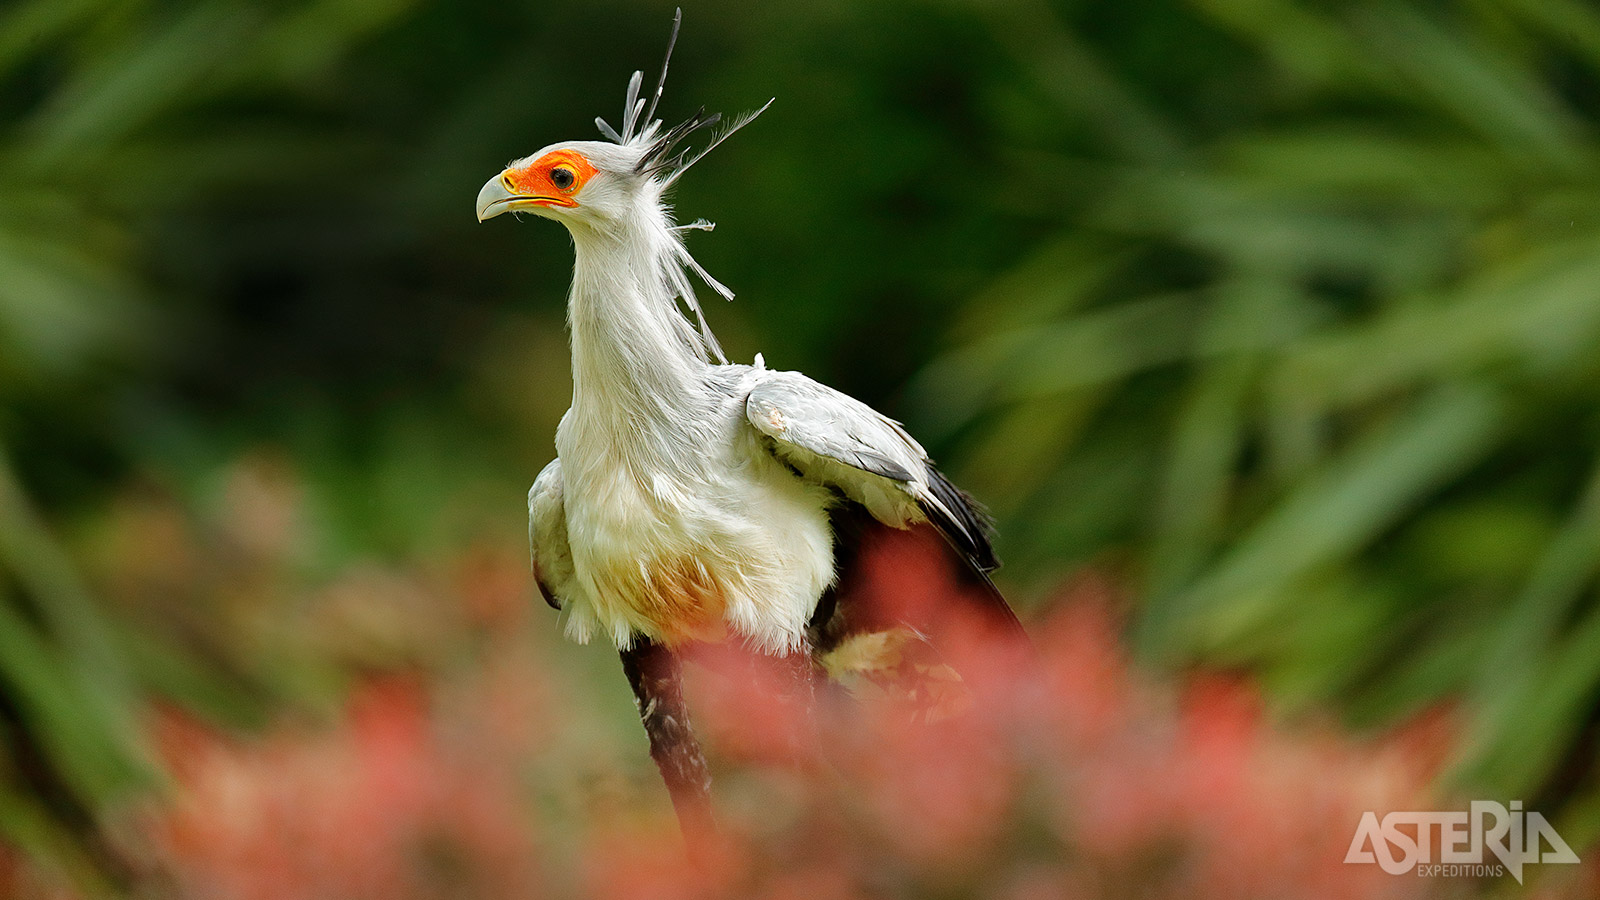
(693, 500)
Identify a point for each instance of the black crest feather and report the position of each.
(663, 153)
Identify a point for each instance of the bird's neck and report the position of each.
(636, 363)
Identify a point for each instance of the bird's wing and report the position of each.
(837, 440)
(547, 536)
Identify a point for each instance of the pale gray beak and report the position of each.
(494, 199)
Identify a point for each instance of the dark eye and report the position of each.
(563, 178)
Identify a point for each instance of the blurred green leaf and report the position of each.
(1284, 312)
(1334, 513)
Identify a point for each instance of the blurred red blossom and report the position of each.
(1080, 778)
(383, 806)
(487, 767)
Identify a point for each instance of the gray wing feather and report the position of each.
(796, 411)
(549, 552)
(837, 440)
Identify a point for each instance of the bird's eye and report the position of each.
(563, 178)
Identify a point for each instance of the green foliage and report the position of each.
(99, 143)
(1283, 311)
(1334, 310)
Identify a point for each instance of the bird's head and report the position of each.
(578, 183)
(616, 188)
(597, 183)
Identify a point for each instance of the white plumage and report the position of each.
(692, 499)
(688, 499)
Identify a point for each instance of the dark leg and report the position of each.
(657, 680)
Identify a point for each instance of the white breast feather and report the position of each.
(721, 522)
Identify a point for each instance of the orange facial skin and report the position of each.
(540, 183)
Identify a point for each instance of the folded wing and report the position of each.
(833, 439)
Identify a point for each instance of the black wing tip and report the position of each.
(1001, 609)
(967, 525)
(545, 593)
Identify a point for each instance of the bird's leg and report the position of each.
(656, 676)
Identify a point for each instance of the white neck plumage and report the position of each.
(638, 365)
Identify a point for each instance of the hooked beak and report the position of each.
(496, 198)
